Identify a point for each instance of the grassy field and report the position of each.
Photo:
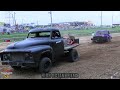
(85, 32)
(13, 37)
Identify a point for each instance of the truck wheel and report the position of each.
(45, 65)
(16, 67)
(73, 55)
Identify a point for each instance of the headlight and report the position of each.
(93, 34)
(6, 56)
(28, 56)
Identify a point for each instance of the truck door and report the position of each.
(57, 43)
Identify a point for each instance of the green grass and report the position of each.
(85, 32)
(16, 36)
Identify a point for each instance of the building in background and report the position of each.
(73, 25)
(114, 25)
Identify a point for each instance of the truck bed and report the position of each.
(68, 47)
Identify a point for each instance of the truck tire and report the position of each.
(16, 67)
(45, 65)
(73, 55)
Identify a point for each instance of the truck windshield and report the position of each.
(101, 32)
(38, 34)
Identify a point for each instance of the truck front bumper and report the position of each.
(19, 63)
(99, 39)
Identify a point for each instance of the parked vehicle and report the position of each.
(40, 49)
(101, 36)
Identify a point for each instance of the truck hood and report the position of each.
(29, 49)
(29, 42)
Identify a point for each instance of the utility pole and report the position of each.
(16, 26)
(9, 17)
(101, 18)
(14, 19)
(112, 19)
(51, 17)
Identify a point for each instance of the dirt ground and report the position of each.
(97, 61)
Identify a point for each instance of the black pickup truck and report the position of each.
(40, 49)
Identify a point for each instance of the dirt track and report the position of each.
(97, 61)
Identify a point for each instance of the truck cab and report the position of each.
(53, 38)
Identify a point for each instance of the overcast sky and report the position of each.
(43, 17)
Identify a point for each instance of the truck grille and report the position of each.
(17, 56)
(98, 38)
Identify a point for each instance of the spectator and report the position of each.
(8, 33)
(3, 33)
